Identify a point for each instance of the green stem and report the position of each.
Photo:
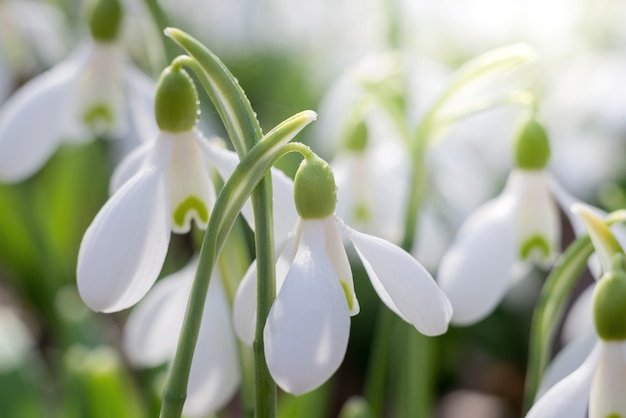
(266, 392)
(242, 183)
(375, 381)
(233, 263)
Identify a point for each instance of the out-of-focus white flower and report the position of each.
(15, 341)
(498, 243)
(149, 339)
(307, 329)
(596, 387)
(95, 91)
(28, 44)
(520, 225)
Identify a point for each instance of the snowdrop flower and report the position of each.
(148, 342)
(306, 333)
(87, 94)
(497, 243)
(596, 387)
(161, 187)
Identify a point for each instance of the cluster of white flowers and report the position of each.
(467, 253)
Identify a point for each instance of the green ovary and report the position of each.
(189, 204)
(536, 243)
(349, 295)
(614, 415)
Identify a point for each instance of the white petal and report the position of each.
(244, 307)
(191, 191)
(128, 167)
(152, 329)
(123, 249)
(536, 214)
(32, 120)
(306, 334)
(567, 360)
(607, 389)
(339, 260)
(476, 271)
(579, 320)
(285, 214)
(140, 91)
(101, 88)
(403, 283)
(569, 397)
(215, 374)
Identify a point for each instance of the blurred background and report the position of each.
(59, 359)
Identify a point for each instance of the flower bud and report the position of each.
(609, 303)
(105, 17)
(315, 191)
(532, 147)
(176, 101)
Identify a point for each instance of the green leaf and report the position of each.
(224, 90)
(484, 70)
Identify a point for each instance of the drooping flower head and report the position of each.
(161, 187)
(91, 93)
(596, 387)
(306, 333)
(496, 243)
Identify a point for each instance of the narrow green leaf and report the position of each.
(483, 69)
(224, 90)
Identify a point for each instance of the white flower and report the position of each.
(307, 329)
(94, 91)
(597, 385)
(496, 243)
(159, 188)
(150, 339)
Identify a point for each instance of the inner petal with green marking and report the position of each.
(99, 117)
(535, 247)
(192, 206)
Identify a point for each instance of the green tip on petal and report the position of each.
(609, 303)
(532, 147)
(356, 139)
(105, 18)
(314, 189)
(176, 101)
(603, 240)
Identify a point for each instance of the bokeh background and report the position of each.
(58, 359)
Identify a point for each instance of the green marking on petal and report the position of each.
(349, 294)
(189, 204)
(614, 415)
(362, 212)
(98, 117)
(536, 244)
